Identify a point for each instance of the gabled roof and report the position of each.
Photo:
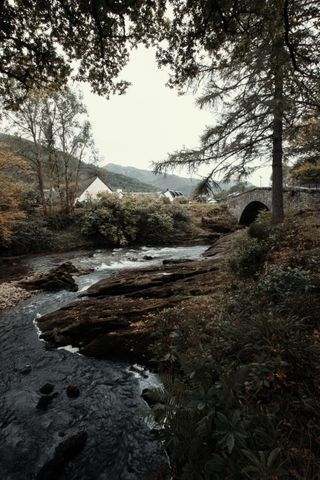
(90, 182)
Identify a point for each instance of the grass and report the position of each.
(241, 365)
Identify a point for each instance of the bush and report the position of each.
(31, 236)
(248, 258)
(260, 229)
(132, 220)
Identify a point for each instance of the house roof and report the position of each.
(90, 182)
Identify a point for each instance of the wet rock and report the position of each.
(114, 322)
(130, 345)
(65, 451)
(148, 257)
(73, 391)
(45, 400)
(149, 396)
(176, 261)
(25, 370)
(58, 278)
(47, 388)
(142, 371)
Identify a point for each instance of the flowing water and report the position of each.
(120, 444)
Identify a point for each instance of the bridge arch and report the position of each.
(251, 212)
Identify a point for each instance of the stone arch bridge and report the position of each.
(246, 206)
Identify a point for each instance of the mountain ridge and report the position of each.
(161, 182)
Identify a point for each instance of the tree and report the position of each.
(67, 139)
(44, 42)
(260, 64)
(11, 191)
(60, 135)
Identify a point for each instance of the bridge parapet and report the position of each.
(245, 206)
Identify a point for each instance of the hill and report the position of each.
(88, 170)
(159, 182)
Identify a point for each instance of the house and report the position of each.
(171, 194)
(91, 192)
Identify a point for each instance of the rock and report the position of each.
(149, 396)
(176, 261)
(25, 370)
(148, 257)
(45, 400)
(46, 388)
(58, 278)
(64, 452)
(130, 345)
(114, 320)
(73, 391)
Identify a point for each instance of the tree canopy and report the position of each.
(259, 63)
(45, 42)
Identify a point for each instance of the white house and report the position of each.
(92, 191)
(171, 194)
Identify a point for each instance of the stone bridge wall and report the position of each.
(295, 197)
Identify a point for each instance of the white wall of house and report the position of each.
(92, 192)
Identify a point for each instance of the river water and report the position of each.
(120, 443)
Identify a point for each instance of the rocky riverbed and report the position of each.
(65, 415)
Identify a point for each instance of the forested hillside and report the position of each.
(87, 170)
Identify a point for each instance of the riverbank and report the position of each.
(241, 365)
(11, 294)
(98, 226)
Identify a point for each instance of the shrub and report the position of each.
(132, 220)
(261, 228)
(31, 236)
(248, 258)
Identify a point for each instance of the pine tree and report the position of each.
(259, 61)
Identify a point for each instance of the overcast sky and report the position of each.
(149, 121)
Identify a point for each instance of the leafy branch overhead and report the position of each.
(46, 42)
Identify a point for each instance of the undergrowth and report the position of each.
(241, 367)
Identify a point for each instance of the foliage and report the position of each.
(306, 173)
(305, 148)
(132, 220)
(248, 257)
(259, 63)
(45, 43)
(12, 192)
(31, 236)
(241, 368)
(59, 135)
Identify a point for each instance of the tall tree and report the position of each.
(60, 135)
(67, 139)
(260, 64)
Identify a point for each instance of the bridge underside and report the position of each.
(251, 212)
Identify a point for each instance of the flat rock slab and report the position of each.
(113, 320)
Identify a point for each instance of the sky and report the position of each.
(150, 120)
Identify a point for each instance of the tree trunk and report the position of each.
(277, 132)
(41, 189)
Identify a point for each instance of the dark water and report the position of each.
(121, 444)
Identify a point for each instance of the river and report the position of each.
(120, 443)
